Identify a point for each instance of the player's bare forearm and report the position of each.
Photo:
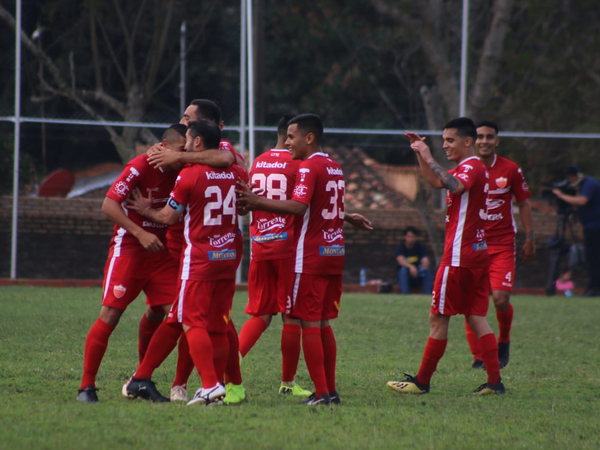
(528, 250)
(445, 178)
(214, 158)
(164, 216)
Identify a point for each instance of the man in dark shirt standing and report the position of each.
(413, 263)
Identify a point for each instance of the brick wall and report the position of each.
(68, 238)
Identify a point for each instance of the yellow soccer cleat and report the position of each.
(293, 389)
(409, 385)
(490, 389)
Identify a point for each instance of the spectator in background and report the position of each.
(413, 263)
(587, 201)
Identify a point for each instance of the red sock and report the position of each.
(233, 374)
(313, 355)
(434, 350)
(249, 334)
(146, 330)
(161, 346)
(291, 336)
(95, 347)
(220, 345)
(489, 355)
(330, 353)
(472, 340)
(185, 364)
(505, 323)
(201, 349)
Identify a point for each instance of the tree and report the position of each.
(116, 59)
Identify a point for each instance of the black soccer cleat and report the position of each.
(335, 398)
(145, 389)
(87, 395)
(313, 400)
(503, 353)
(478, 364)
(490, 389)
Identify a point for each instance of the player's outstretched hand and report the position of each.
(417, 143)
(246, 199)
(138, 203)
(358, 221)
(528, 251)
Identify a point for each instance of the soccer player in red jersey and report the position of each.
(461, 283)
(506, 181)
(318, 198)
(199, 109)
(271, 273)
(208, 263)
(137, 259)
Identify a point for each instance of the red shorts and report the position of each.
(269, 286)
(461, 290)
(125, 277)
(502, 267)
(204, 304)
(315, 297)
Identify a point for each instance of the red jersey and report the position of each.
(175, 231)
(210, 222)
(465, 244)
(506, 180)
(273, 172)
(138, 173)
(320, 242)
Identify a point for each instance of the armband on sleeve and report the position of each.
(176, 206)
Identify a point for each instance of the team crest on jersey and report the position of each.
(119, 291)
(501, 182)
(121, 188)
(300, 190)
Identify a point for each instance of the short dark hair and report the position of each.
(488, 123)
(207, 110)
(282, 126)
(173, 132)
(309, 123)
(573, 169)
(464, 127)
(411, 229)
(208, 131)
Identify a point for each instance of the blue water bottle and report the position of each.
(362, 278)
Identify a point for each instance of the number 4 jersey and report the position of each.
(320, 243)
(206, 196)
(273, 173)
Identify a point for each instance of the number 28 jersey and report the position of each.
(272, 235)
(207, 197)
(320, 247)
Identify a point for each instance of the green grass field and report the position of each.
(553, 398)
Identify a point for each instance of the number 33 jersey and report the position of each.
(272, 235)
(206, 196)
(320, 242)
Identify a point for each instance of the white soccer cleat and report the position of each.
(207, 396)
(179, 394)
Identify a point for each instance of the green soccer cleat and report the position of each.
(409, 385)
(235, 393)
(490, 389)
(294, 389)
